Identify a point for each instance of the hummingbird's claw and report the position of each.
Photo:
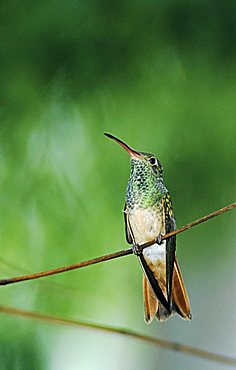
(159, 239)
(136, 250)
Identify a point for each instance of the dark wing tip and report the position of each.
(190, 316)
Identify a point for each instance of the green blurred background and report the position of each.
(161, 75)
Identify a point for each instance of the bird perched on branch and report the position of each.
(149, 215)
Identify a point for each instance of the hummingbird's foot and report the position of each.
(136, 250)
(159, 239)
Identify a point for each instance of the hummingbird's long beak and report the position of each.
(133, 153)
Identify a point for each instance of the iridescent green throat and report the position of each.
(145, 187)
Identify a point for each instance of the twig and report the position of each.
(111, 256)
(178, 347)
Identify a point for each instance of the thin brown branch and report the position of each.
(111, 256)
(173, 346)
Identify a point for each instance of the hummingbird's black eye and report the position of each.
(152, 161)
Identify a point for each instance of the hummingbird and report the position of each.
(149, 215)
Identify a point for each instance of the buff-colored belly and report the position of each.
(146, 225)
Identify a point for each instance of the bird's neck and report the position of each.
(144, 191)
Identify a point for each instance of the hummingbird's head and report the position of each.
(145, 186)
(141, 163)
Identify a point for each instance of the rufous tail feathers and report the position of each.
(180, 301)
(180, 295)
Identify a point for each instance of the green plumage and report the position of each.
(148, 216)
(145, 187)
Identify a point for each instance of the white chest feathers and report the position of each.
(155, 253)
(146, 224)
